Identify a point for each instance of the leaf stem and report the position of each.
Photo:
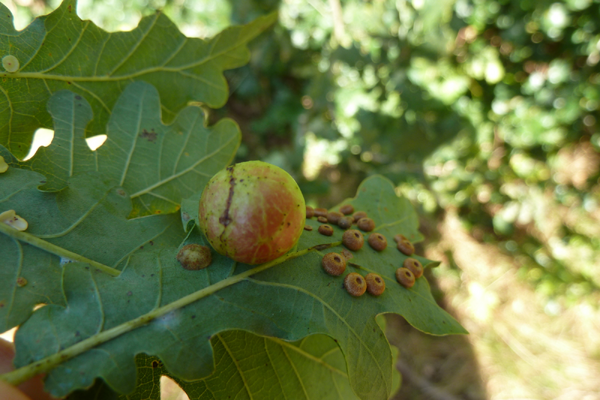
(54, 249)
(27, 372)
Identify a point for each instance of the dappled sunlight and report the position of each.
(95, 142)
(527, 345)
(42, 138)
(170, 390)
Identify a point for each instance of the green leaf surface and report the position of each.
(289, 301)
(248, 366)
(60, 51)
(87, 218)
(157, 164)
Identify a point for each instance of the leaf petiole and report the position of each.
(27, 372)
(54, 249)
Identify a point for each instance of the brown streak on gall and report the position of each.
(225, 219)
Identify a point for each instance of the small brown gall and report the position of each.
(415, 267)
(347, 255)
(405, 277)
(310, 212)
(334, 264)
(334, 217)
(326, 230)
(322, 219)
(21, 282)
(399, 237)
(345, 222)
(355, 284)
(406, 247)
(347, 209)
(358, 215)
(194, 257)
(366, 224)
(320, 212)
(377, 241)
(353, 239)
(375, 284)
(308, 228)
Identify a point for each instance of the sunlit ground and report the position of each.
(522, 348)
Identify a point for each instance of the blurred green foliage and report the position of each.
(488, 107)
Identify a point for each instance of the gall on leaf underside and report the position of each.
(290, 301)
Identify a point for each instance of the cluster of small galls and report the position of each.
(335, 264)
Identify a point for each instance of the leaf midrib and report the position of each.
(115, 78)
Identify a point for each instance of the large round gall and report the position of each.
(252, 212)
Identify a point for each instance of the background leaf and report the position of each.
(158, 164)
(251, 367)
(60, 51)
(291, 301)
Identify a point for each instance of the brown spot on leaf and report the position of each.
(149, 136)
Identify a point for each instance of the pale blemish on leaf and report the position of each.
(10, 63)
(12, 219)
(3, 165)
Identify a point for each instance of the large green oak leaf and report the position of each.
(60, 51)
(158, 308)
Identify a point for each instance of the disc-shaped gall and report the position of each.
(355, 284)
(345, 222)
(415, 267)
(358, 215)
(347, 209)
(366, 224)
(353, 239)
(252, 212)
(334, 217)
(406, 247)
(377, 241)
(347, 254)
(399, 237)
(10, 63)
(322, 219)
(320, 212)
(194, 257)
(310, 212)
(375, 284)
(326, 230)
(334, 264)
(405, 277)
